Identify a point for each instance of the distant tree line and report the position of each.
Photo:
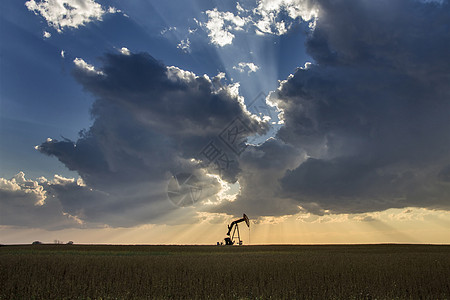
(56, 242)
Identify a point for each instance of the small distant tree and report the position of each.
(36, 243)
(69, 243)
(58, 242)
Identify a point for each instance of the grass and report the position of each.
(219, 272)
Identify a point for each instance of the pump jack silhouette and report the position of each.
(230, 240)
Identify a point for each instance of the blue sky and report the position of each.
(103, 103)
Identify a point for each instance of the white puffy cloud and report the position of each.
(269, 12)
(168, 29)
(220, 25)
(176, 74)
(31, 203)
(266, 17)
(124, 51)
(80, 63)
(27, 188)
(61, 14)
(185, 45)
(246, 66)
(46, 34)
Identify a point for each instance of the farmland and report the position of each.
(219, 272)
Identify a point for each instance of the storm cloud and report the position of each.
(372, 112)
(150, 122)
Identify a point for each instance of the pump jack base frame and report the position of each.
(230, 241)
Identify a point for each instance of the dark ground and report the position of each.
(221, 272)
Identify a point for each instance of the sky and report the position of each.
(160, 122)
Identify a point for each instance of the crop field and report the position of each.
(220, 272)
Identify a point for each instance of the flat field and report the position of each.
(220, 272)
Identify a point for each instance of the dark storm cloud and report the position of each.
(149, 122)
(261, 166)
(373, 111)
(444, 174)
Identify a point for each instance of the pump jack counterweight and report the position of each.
(230, 240)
